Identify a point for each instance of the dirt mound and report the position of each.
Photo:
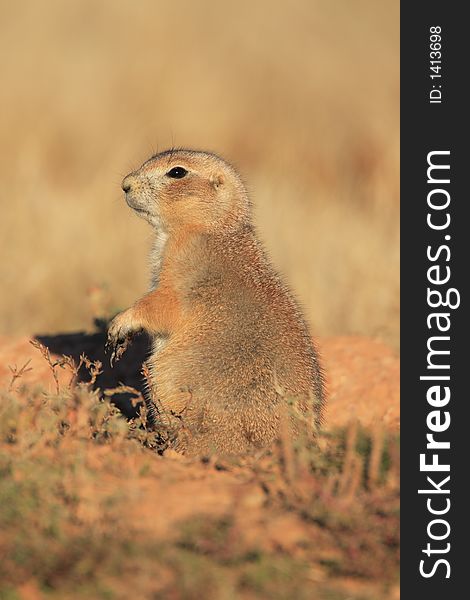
(362, 373)
(88, 509)
(363, 379)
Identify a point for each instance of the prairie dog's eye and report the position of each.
(177, 172)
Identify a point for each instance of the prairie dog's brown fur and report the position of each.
(231, 347)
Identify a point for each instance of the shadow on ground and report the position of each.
(127, 371)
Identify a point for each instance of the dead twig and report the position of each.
(44, 350)
(17, 373)
(124, 389)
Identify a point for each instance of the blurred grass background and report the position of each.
(301, 96)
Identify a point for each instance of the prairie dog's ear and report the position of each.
(217, 180)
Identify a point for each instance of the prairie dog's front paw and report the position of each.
(120, 332)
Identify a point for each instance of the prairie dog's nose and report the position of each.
(127, 183)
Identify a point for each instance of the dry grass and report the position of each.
(303, 97)
(88, 510)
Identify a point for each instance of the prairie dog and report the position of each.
(232, 353)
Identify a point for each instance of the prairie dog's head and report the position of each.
(180, 188)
